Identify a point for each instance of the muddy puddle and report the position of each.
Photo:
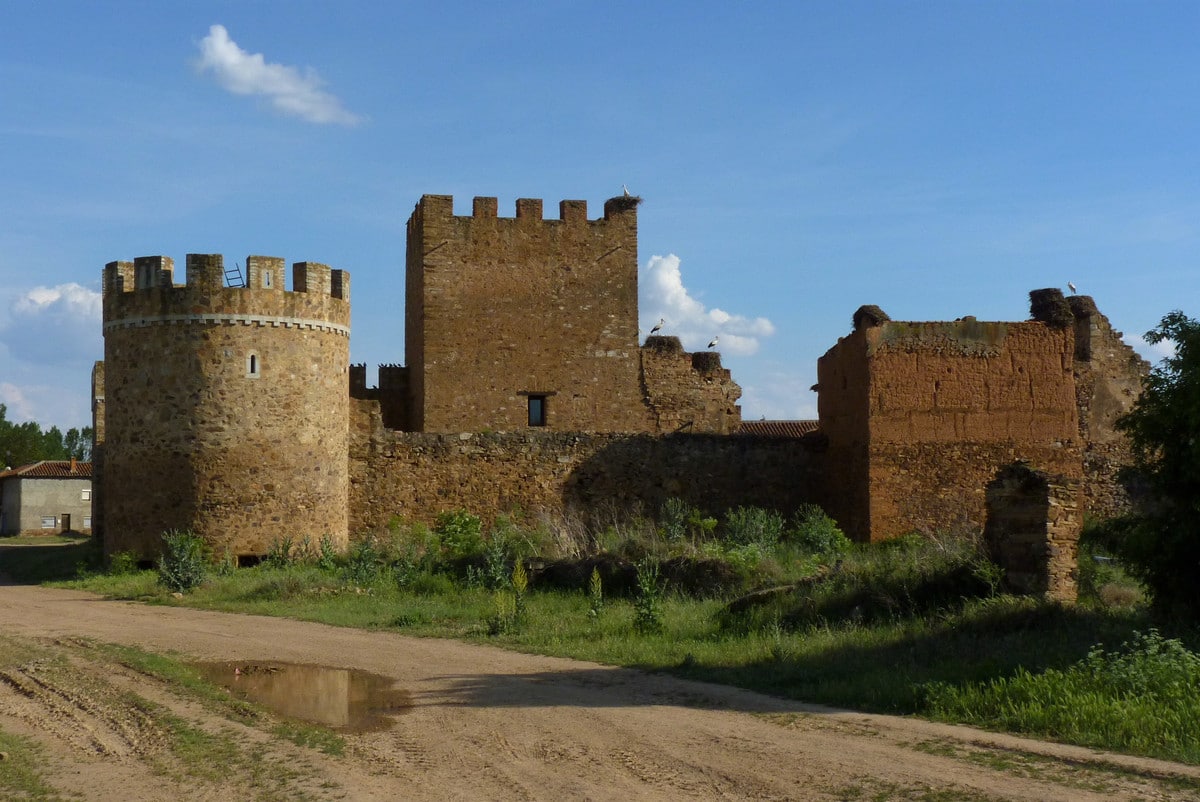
(344, 699)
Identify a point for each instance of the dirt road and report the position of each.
(489, 724)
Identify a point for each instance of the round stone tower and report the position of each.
(225, 407)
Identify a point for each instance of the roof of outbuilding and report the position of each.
(51, 469)
(778, 428)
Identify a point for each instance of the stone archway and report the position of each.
(1032, 531)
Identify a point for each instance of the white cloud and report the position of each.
(1154, 352)
(54, 326)
(662, 295)
(18, 407)
(779, 395)
(289, 90)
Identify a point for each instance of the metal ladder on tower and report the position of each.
(233, 276)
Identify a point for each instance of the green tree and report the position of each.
(22, 443)
(1160, 542)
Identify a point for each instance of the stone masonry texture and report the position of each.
(233, 410)
(519, 306)
(226, 408)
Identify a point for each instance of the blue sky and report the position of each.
(797, 160)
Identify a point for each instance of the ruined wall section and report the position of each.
(501, 309)
(844, 384)
(1032, 531)
(950, 403)
(551, 475)
(945, 405)
(226, 408)
(1108, 381)
(688, 392)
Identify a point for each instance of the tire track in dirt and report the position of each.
(489, 724)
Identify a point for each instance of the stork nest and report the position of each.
(626, 202)
(706, 361)
(1082, 305)
(663, 344)
(869, 316)
(1050, 307)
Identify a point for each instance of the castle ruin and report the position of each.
(234, 411)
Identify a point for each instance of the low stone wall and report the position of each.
(415, 475)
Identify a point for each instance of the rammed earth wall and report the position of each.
(920, 416)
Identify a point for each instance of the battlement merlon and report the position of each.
(528, 210)
(143, 292)
(206, 271)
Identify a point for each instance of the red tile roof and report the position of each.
(778, 428)
(51, 469)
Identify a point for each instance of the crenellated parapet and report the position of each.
(144, 293)
(440, 208)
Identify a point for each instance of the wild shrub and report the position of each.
(327, 554)
(460, 534)
(753, 526)
(673, 518)
(281, 553)
(816, 533)
(426, 584)
(520, 586)
(595, 595)
(504, 615)
(647, 604)
(183, 563)
(122, 562)
(682, 525)
(364, 564)
(495, 572)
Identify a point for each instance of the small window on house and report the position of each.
(252, 365)
(537, 410)
(87, 522)
(49, 522)
(85, 494)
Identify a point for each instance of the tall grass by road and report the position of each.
(919, 626)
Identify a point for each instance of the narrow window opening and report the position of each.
(252, 366)
(537, 410)
(267, 278)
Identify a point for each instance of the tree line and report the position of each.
(23, 443)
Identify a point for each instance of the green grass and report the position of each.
(898, 629)
(211, 754)
(20, 777)
(1142, 696)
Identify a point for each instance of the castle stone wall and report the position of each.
(504, 308)
(1108, 380)
(226, 408)
(688, 392)
(417, 475)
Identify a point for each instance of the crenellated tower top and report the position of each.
(144, 293)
